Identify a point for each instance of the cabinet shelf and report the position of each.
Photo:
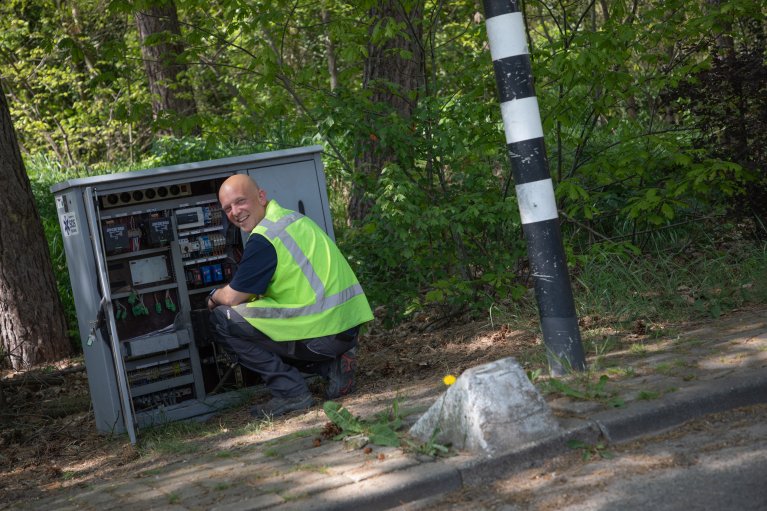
(145, 290)
(138, 253)
(205, 259)
(160, 385)
(206, 289)
(183, 233)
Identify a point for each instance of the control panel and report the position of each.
(165, 248)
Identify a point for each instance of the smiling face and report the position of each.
(243, 202)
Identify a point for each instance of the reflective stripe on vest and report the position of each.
(322, 303)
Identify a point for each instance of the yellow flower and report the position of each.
(448, 380)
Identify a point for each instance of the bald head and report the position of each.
(243, 202)
(242, 183)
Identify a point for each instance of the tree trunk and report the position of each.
(330, 51)
(171, 93)
(32, 324)
(392, 78)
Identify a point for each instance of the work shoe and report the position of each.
(341, 375)
(281, 405)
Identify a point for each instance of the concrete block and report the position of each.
(490, 409)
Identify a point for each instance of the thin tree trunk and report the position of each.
(32, 324)
(331, 52)
(171, 93)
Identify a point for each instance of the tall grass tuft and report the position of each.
(705, 282)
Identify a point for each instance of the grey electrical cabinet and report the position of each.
(143, 249)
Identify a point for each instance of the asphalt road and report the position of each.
(717, 462)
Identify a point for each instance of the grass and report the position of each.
(254, 427)
(621, 371)
(598, 346)
(175, 438)
(664, 333)
(648, 395)
(303, 433)
(671, 368)
(584, 386)
(668, 288)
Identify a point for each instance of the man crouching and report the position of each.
(293, 301)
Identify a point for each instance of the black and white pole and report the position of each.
(535, 190)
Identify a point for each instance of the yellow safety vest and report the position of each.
(314, 291)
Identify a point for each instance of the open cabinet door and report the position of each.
(107, 310)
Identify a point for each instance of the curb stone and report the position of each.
(385, 491)
(648, 417)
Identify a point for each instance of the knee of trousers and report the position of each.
(220, 319)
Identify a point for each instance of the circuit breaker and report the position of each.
(143, 249)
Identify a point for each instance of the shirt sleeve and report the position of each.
(256, 268)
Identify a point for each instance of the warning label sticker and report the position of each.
(69, 224)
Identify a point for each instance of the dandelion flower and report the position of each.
(448, 380)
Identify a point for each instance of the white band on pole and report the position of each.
(521, 119)
(506, 34)
(536, 201)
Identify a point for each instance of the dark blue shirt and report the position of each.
(256, 269)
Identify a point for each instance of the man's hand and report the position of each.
(210, 301)
(226, 296)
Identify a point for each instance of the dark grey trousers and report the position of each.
(277, 362)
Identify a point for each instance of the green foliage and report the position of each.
(585, 390)
(67, 79)
(381, 431)
(173, 151)
(457, 248)
(648, 395)
(534, 375)
(624, 165)
(430, 447)
(589, 451)
(173, 438)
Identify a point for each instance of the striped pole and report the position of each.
(535, 190)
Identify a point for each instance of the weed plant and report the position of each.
(583, 387)
(590, 451)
